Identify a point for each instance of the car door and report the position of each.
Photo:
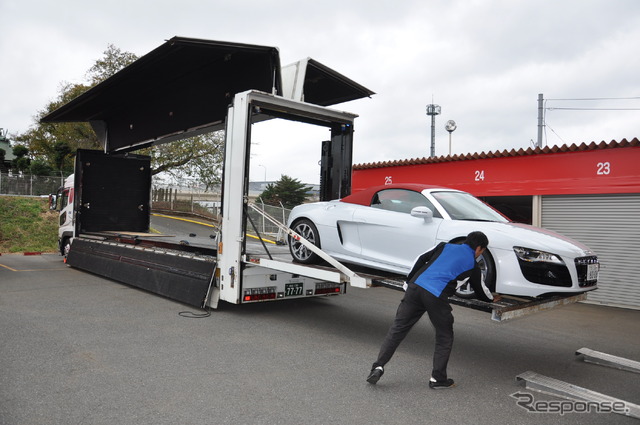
(389, 234)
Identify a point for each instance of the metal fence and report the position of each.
(206, 204)
(29, 185)
(266, 227)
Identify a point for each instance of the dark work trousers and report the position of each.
(415, 303)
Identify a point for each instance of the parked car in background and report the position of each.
(388, 227)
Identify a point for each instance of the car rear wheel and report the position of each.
(299, 252)
(488, 270)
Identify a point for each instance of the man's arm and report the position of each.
(477, 283)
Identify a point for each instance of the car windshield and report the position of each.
(464, 206)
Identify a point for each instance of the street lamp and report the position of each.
(433, 110)
(450, 127)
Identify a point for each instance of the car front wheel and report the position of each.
(299, 252)
(488, 270)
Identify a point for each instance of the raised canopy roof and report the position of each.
(184, 88)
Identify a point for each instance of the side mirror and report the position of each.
(423, 212)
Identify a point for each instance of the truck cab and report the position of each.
(63, 203)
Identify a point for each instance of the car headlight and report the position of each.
(535, 256)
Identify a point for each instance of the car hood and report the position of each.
(508, 235)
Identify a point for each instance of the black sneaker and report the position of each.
(375, 375)
(439, 385)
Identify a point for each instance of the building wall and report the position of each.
(611, 168)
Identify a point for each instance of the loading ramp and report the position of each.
(604, 359)
(555, 387)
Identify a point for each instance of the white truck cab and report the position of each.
(63, 203)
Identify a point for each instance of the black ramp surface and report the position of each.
(180, 278)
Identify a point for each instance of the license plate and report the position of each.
(592, 272)
(293, 289)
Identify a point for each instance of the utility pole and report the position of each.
(433, 110)
(540, 120)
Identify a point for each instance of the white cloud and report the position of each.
(483, 61)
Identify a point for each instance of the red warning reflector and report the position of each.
(323, 288)
(259, 294)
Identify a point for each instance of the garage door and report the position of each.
(610, 226)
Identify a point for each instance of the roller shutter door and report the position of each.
(610, 226)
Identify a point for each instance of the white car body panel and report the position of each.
(391, 241)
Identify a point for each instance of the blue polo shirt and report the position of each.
(451, 263)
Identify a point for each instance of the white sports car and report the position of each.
(387, 227)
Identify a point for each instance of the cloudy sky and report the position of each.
(483, 61)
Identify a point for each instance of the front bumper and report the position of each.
(533, 279)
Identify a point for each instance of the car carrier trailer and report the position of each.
(184, 88)
(110, 221)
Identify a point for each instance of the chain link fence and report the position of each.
(266, 227)
(29, 185)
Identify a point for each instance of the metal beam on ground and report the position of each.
(604, 359)
(555, 387)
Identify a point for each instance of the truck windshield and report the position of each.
(464, 206)
(63, 199)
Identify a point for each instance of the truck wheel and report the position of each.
(65, 246)
(299, 252)
(488, 270)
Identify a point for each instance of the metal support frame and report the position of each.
(350, 276)
(248, 107)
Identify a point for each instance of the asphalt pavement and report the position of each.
(79, 349)
(196, 231)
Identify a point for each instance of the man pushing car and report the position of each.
(433, 279)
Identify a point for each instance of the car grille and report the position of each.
(546, 274)
(582, 265)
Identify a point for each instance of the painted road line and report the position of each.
(30, 270)
(185, 219)
(209, 225)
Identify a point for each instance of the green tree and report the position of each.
(198, 158)
(39, 167)
(20, 150)
(21, 161)
(3, 154)
(61, 152)
(113, 61)
(288, 191)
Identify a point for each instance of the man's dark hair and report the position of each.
(477, 239)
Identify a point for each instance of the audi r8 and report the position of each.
(388, 227)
